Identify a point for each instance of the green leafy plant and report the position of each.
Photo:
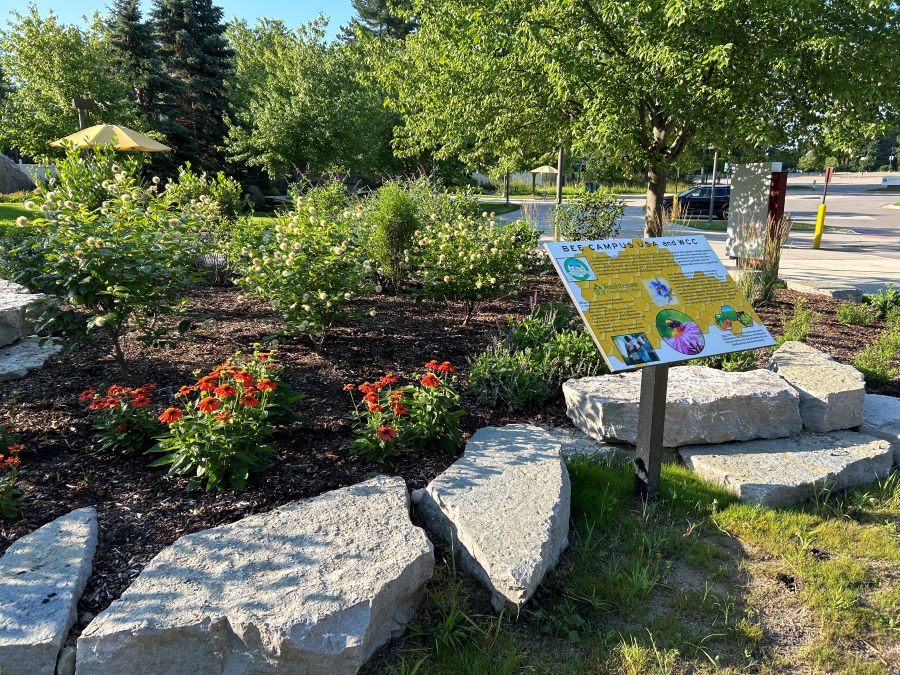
(875, 362)
(543, 322)
(329, 199)
(120, 264)
(220, 432)
(571, 354)
(852, 314)
(594, 215)
(225, 193)
(797, 326)
(393, 218)
(519, 379)
(884, 300)
(10, 494)
(309, 270)
(391, 420)
(893, 317)
(731, 362)
(471, 259)
(124, 420)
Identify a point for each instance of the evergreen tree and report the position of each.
(384, 18)
(197, 57)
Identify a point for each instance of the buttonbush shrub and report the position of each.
(594, 215)
(225, 193)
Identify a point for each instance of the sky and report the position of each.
(293, 12)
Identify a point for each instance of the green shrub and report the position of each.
(329, 199)
(86, 179)
(875, 362)
(595, 215)
(393, 420)
(545, 320)
(393, 218)
(884, 300)
(893, 317)
(309, 269)
(222, 191)
(571, 354)
(853, 314)
(471, 259)
(797, 326)
(519, 380)
(121, 262)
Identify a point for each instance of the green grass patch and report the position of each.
(877, 361)
(9, 213)
(499, 208)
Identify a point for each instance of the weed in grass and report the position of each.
(853, 314)
(797, 326)
(875, 362)
(408, 667)
(454, 626)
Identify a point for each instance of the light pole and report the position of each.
(712, 189)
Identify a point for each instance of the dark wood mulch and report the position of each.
(141, 511)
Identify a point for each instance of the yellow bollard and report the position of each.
(820, 225)
(675, 207)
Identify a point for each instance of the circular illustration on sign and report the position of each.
(680, 332)
(577, 269)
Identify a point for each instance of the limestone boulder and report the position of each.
(575, 443)
(311, 587)
(15, 302)
(13, 178)
(42, 577)
(782, 471)
(703, 405)
(831, 393)
(20, 358)
(881, 418)
(504, 508)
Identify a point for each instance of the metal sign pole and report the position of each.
(651, 423)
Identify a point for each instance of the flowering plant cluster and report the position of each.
(309, 270)
(393, 419)
(471, 259)
(219, 432)
(124, 419)
(10, 495)
(120, 262)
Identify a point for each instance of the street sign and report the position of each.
(655, 301)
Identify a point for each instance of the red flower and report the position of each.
(116, 390)
(145, 388)
(223, 416)
(374, 407)
(386, 380)
(263, 356)
(16, 448)
(429, 380)
(224, 391)
(445, 367)
(397, 395)
(13, 461)
(140, 402)
(207, 383)
(244, 378)
(371, 397)
(105, 403)
(87, 395)
(170, 415)
(367, 388)
(386, 433)
(209, 404)
(266, 384)
(397, 407)
(185, 390)
(432, 365)
(349, 387)
(249, 401)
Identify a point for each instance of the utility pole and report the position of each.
(712, 190)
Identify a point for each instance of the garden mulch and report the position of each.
(141, 511)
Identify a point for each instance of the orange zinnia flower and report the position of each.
(263, 356)
(16, 448)
(387, 379)
(223, 416)
(386, 433)
(87, 395)
(140, 402)
(13, 461)
(432, 365)
(429, 380)
(116, 390)
(445, 367)
(244, 378)
(224, 391)
(207, 383)
(374, 407)
(209, 404)
(170, 415)
(146, 388)
(349, 387)
(105, 403)
(266, 384)
(185, 390)
(249, 401)
(397, 407)
(371, 397)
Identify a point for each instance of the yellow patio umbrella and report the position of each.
(543, 169)
(121, 138)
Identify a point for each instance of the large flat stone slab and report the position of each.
(778, 472)
(20, 358)
(504, 507)
(311, 587)
(881, 418)
(15, 301)
(703, 405)
(42, 577)
(575, 443)
(831, 393)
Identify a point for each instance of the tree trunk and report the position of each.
(656, 190)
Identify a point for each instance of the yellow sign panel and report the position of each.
(660, 300)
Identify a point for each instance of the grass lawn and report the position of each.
(499, 208)
(695, 583)
(9, 213)
(722, 226)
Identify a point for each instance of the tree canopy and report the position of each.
(639, 81)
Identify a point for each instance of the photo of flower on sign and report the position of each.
(656, 301)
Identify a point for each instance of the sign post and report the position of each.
(649, 303)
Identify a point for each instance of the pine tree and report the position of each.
(384, 18)
(196, 55)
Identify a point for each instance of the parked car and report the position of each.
(694, 202)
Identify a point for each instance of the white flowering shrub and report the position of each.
(309, 270)
(120, 261)
(471, 259)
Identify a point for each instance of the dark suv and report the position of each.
(694, 203)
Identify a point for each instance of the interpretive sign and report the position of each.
(657, 301)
